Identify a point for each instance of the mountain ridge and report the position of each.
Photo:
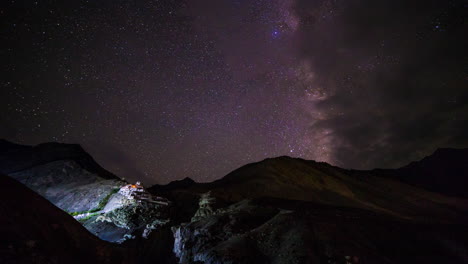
(444, 171)
(16, 157)
(278, 210)
(396, 173)
(298, 179)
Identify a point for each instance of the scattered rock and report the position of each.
(205, 208)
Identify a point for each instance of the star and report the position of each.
(163, 90)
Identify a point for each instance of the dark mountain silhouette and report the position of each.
(279, 210)
(15, 157)
(258, 212)
(298, 179)
(177, 184)
(445, 171)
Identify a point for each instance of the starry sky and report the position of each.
(163, 90)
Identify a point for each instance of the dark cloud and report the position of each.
(394, 73)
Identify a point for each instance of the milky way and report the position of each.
(162, 90)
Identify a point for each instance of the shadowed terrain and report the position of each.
(287, 210)
(35, 231)
(68, 177)
(298, 179)
(279, 210)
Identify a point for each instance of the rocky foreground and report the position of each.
(69, 178)
(35, 231)
(280, 210)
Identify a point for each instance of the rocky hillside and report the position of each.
(279, 210)
(298, 179)
(35, 231)
(64, 174)
(70, 178)
(287, 210)
(285, 231)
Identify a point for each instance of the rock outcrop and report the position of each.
(131, 215)
(205, 208)
(282, 231)
(211, 238)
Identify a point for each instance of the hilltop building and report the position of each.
(135, 192)
(138, 193)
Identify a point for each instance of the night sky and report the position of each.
(162, 90)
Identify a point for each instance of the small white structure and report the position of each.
(135, 192)
(138, 193)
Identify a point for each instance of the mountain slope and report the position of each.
(69, 178)
(445, 171)
(279, 210)
(15, 157)
(35, 231)
(283, 231)
(64, 174)
(288, 210)
(297, 179)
